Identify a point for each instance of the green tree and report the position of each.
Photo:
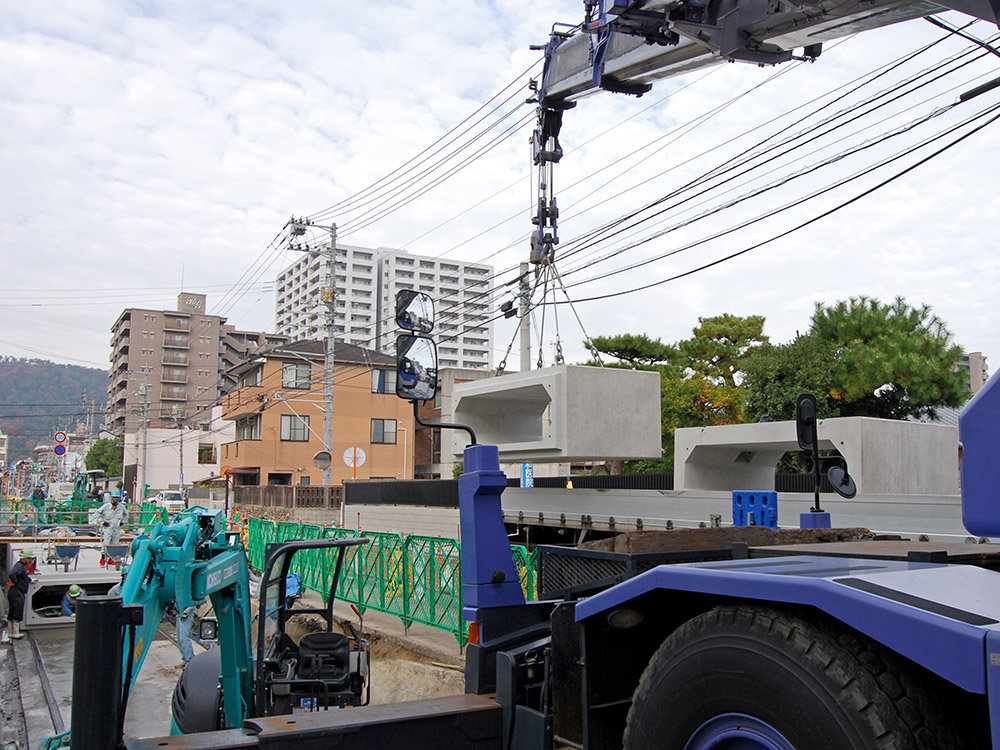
(105, 454)
(636, 351)
(720, 344)
(697, 376)
(861, 357)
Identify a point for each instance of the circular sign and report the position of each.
(322, 460)
(354, 456)
(226, 471)
(60, 437)
(59, 450)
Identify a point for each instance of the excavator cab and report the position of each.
(297, 668)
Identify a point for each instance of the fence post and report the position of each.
(407, 589)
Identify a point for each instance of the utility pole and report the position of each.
(179, 423)
(298, 228)
(523, 290)
(330, 294)
(140, 490)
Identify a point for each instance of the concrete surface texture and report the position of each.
(884, 456)
(563, 413)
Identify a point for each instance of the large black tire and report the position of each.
(809, 685)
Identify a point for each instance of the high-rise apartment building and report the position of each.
(173, 364)
(365, 286)
(974, 366)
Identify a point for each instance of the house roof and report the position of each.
(344, 354)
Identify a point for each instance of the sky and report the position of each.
(147, 147)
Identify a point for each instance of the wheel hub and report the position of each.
(737, 732)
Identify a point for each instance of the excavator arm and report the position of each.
(184, 563)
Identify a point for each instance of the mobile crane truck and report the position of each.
(897, 646)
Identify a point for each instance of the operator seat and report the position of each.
(326, 657)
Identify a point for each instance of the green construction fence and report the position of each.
(416, 578)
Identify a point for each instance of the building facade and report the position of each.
(974, 366)
(278, 410)
(175, 458)
(365, 287)
(172, 365)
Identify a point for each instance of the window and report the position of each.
(206, 453)
(248, 428)
(294, 428)
(383, 381)
(250, 378)
(384, 431)
(295, 375)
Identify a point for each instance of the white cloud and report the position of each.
(140, 138)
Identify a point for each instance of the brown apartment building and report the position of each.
(173, 364)
(279, 412)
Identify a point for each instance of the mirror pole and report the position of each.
(422, 423)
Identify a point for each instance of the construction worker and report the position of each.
(184, 622)
(111, 516)
(4, 635)
(20, 577)
(38, 496)
(69, 599)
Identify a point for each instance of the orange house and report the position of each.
(279, 411)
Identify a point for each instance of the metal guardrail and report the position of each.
(416, 578)
(31, 521)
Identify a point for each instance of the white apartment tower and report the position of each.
(366, 282)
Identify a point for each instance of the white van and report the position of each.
(172, 500)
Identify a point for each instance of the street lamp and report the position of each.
(298, 227)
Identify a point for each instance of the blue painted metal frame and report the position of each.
(950, 648)
(979, 434)
(489, 578)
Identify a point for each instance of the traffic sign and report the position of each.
(59, 450)
(354, 457)
(60, 437)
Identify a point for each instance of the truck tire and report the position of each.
(758, 677)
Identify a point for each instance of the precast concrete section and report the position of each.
(563, 413)
(884, 456)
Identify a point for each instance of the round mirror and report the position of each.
(843, 483)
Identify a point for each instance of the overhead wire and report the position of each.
(699, 183)
(730, 256)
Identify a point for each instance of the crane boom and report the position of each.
(625, 45)
(628, 45)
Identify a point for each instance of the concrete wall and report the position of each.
(397, 519)
(885, 456)
(403, 519)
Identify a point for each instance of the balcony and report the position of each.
(174, 378)
(176, 324)
(173, 394)
(121, 333)
(175, 342)
(174, 358)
